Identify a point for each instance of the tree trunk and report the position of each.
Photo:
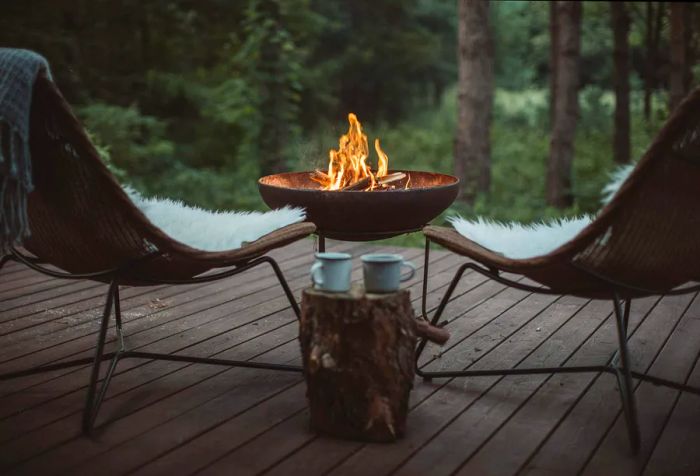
(475, 98)
(692, 19)
(621, 78)
(553, 55)
(679, 54)
(649, 59)
(561, 150)
(359, 355)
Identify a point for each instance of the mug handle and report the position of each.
(315, 277)
(410, 265)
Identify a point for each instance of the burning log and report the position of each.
(387, 179)
(359, 185)
(348, 165)
(381, 181)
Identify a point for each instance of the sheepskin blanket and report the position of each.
(212, 230)
(518, 241)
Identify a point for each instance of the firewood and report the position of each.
(367, 181)
(319, 176)
(434, 334)
(395, 177)
(359, 185)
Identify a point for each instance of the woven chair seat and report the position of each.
(82, 221)
(553, 272)
(645, 241)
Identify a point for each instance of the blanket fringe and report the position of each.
(15, 186)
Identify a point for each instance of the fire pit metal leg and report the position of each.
(424, 297)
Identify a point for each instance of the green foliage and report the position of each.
(272, 64)
(195, 100)
(521, 41)
(136, 143)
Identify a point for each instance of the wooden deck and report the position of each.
(173, 418)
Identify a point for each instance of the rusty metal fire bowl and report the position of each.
(363, 215)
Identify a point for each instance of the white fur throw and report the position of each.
(212, 230)
(617, 178)
(518, 241)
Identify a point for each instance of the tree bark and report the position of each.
(654, 26)
(679, 54)
(553, 55)
(359, 355)
(561, 150)
(475, 99)
(620, 23)
(649, 59)
(692, 21)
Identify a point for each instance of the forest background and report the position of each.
(195, 100)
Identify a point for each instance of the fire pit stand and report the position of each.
(321, 239)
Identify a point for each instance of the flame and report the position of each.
(348, 164)
(383, 163)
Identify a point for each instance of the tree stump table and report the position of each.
(358, 351)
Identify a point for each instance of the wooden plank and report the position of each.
(576, 438)
(89, 342)
(675, 452)
(196, 372)
(31, 283)
(291, 434)
(58, 331)
(231, 434)
(26, 310)
(217, 322)
(437, 403)
(499, 398)
(292, 336)
(674, 361)
(534, 402)
(69, 293)
(135, 318)
(175, 418)
(13, 269)
(65, 315)
(453, 397)
(272, 451)
(212, 443)
(133, 412)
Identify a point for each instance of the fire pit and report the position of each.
(353, 202)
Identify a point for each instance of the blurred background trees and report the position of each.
(474, 99)
(196, 99)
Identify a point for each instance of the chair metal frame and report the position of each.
(619, 364)
(95, 397)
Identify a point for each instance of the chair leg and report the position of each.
(94, 400)
(118, 320)
(426, 265)
(4, 260)
(441, 307)
(624, 373)
(285, 286)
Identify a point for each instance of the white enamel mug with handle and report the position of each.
(331, 272)
(382, 272)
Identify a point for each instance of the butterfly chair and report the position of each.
(83, 223)
(645, 242)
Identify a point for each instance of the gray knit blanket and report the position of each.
(18, 71)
